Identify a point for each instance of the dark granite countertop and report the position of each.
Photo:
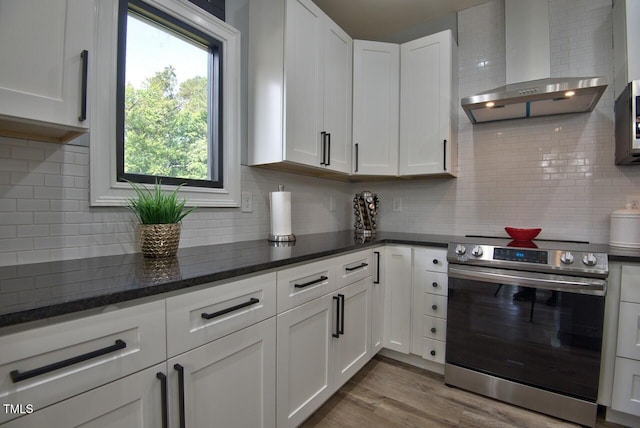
(38, 291)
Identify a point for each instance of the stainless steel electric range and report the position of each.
(524, 323)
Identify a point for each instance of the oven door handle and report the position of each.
(571, 284)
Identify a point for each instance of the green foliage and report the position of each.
(156, 207)
(166, 127)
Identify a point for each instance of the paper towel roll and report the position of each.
(280, 213)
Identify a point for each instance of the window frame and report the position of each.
(214, 96)
(105, 189)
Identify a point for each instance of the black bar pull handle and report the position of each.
(84, 55)
(377, 280)
(323, 144)
(163, 398)
(356, 147)
(251, 301)
(182, 415)
(360, 266)
(337, 333)
(341, 330)
(16, 376)
(315, 281)
(328, 148)
(444, 161)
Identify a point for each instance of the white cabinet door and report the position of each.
(229, 382)
(377, 301)
(307, 91)
(426, 115)
(304, 79)
(41, 68)
(376, 97)
(305, 370)
(626, 392)
(131, 402)
(353, 346)
(397, 298)
(337, 60)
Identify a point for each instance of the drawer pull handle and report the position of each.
(251, 301)
(181, 407)
(435, 285)
(433, 353)
(350, 269)
(435, 261)
(341, 330)
(434, 307)
(315, 281)
(433, 329)
(16, 376)
(164, 398)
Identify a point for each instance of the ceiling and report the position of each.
(374, 19)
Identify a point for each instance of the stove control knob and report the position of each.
(589, 259)
(477, 251)
(460, 249)
(566, 258)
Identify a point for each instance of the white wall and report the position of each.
(556, 172)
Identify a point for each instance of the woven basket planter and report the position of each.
(159, 240)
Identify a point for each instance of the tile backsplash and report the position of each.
(45, 214)
(555, 172)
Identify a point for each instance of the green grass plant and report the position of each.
(153, 206)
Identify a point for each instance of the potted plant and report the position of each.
(160, 215)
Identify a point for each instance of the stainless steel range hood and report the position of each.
(530, 92)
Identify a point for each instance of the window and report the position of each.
(212, 178)
(169, 118)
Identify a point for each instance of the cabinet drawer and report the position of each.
(434, 328)
(432, 282)
(433, 350)
(629, 331)
(198, 317)
(432, 259)
(304, 283)
(435, 305)
(353, 267)
(128, 339)
(626, 386)
(630, 284)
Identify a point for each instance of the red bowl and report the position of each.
(522, 234)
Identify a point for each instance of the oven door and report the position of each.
(540, 330)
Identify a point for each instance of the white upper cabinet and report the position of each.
(43, 71)
(626, 33)
(376, 97)
(299, 97)
(428, 105)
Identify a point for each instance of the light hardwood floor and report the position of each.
(387, 393)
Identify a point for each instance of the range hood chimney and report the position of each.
(530, 91)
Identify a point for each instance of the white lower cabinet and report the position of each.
(353, 346)
(397, 298)
(229, 382)
(305, 359)
(135, 401)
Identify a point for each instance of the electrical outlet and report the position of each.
(634, 201)
(247, 202)
(397, 204)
